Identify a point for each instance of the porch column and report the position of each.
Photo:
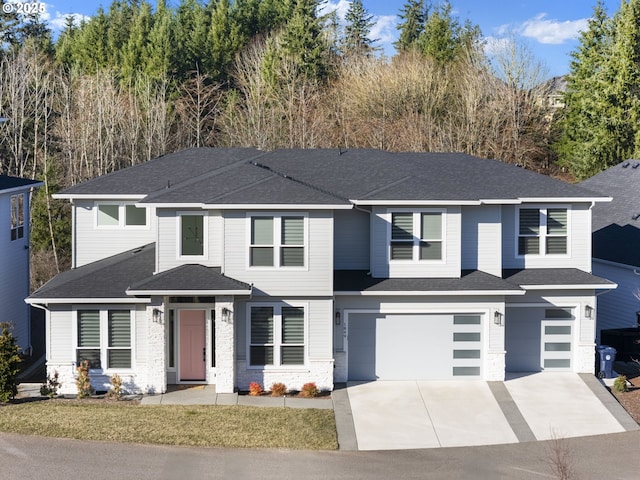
(156, 381)
(225, 345)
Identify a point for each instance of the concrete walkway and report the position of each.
(206, 395)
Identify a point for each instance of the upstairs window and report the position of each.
(417, 236)
(543, 231)
(277, 241)
(120, 215)
(17, 216)
(192, 234)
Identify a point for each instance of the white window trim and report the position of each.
(205, 235)
(277, 237)
(104, 335)
(416, 240)
(277, 322)
(122, 213)
(543, 231)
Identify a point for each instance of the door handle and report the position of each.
(204, 354)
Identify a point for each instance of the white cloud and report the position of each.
(495, 45)
(546, 31)
(59, 21)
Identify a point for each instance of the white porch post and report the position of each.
(156, 381)
(225, 345)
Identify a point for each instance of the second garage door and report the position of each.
(414, 347)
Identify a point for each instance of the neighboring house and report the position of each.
(616, 242)
(227, 266)
(14, 255)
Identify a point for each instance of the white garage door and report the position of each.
(414, 347)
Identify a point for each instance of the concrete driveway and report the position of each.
(389, 415)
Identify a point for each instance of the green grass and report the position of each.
(197, 425)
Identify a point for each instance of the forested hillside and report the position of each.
(136, 81)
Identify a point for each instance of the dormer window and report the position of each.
(417, 236)
(543, 231)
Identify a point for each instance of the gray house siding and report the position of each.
(351, 240)
(481, 239)
(92, 243)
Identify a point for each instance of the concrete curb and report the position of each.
(345, 427)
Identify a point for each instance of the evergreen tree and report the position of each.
(134, 52)
(303, 41)
(413, 14)
(9, 363)
(160, 44)
(585, 142)
(356, 39)
(225, 39)
(191, 38)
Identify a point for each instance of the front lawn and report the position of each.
(196, 425)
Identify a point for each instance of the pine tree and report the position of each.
(225, 39)
(191, 42)
(134, 51)
(160, 44)
(585, 142)
(356, 39)
(413, 14)
(9, 363)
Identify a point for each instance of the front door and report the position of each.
(192, 345)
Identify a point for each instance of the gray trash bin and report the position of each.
(606, 357)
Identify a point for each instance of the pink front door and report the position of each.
(192, 345)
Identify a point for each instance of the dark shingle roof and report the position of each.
(616, 234)
(190, 278)
(554, 277)
(171, 169)
(7, 182)
(470, 280)
(108, 278)
(325, 177)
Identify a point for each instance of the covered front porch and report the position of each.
(193, 308)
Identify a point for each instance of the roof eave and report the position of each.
(431, 292)
(594, 286)
(47, 301)
(188, 292)
(21, 188)
(97, 196)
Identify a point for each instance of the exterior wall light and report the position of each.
(157, 315)
(337, 318)
(498, 318)
(588, 311)
(226, 314)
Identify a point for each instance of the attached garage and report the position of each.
(538, 338)
(414, 346)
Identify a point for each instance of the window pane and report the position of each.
(135, 215)
(529, 221)
(172, 338)
(108, 215)
(261, 231)
(92, 355)
(292, 325)
(17, 210)
(557, 329)
(430, 250)
(119, 328)
(402, 226)
(432, 226)
(466, 337)
(466, 371)
(119, 358)
(466, 354)
(292, 231)
(557, 221)
(192, 235)
(402, 251)
(558, 313)
(261, 355)
(292, 256)
(557, 347)
(556, 245)
(466, 319)
(88, 328)
(557, 363)
(262, 256)
(292, 355)
(262, 325)
(528, 245)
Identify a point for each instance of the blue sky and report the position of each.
(548, 27)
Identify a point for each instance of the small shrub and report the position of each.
(9, 363)
(115, 392)
(255, 389)
(278, 389)
(83, 381)
(620, 384)
(309, 390)
(50, 387)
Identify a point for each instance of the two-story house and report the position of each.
(226, 266)
(14, 255)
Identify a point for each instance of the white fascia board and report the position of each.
(500, 201)
(403, 293)
(276, 206)
(93, 196)
(188, 292)
(46, 301)
(172, 205)
(21, 188)
(414, 202)
(565, 199)
(594, 286)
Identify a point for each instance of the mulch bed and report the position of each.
(630, 400)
